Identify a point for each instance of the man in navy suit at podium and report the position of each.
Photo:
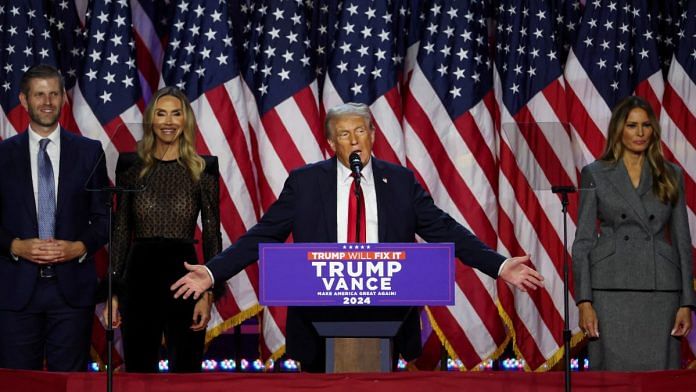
(315, 205)
(50, 226)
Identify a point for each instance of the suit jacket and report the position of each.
(306, 208)
(80, 215)
(641, 243)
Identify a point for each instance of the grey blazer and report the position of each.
(641, 243)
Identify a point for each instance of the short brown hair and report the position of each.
(41, 71)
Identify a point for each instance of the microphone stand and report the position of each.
(111, 192)
(564, 191)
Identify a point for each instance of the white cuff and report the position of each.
(212, 279)
(500, 269)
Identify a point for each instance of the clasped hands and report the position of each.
(589, 324)
(47, 251)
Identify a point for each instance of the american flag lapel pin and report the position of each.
(384, 180)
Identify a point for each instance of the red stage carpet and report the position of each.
(672, 381)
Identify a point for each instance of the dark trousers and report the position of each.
(47, 328)
(150, 311)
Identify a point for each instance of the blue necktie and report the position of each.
(47, 193)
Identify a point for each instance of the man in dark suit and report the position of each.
(50, 226)
(313, 206)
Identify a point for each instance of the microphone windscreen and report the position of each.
(354, 161)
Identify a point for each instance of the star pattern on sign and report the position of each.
(363, 59)
(109, 79)
(620, 48)
(200, 54)
(454, 53)
(527, 55)
(279, 60)
(356, 246)
(25, 33)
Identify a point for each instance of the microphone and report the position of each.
(355, 166)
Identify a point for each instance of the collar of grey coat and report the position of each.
(622, 182)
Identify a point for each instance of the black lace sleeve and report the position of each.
(210, 208)
(126, 177)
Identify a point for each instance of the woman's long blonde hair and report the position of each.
(665, 185)
(187, 140)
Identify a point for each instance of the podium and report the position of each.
(358, 297)
(361, 340)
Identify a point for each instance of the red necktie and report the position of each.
(353, 211)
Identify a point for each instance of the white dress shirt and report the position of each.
(53, 150)
(344, 179)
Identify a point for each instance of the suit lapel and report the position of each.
(622, 182)
(382, 190)
(327, 186)
(646, 180)
(67, 166)
(23, 160)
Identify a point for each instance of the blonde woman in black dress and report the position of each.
(154, 234)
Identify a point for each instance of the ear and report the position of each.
(23, 101)
(332, 144)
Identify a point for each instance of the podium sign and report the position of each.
(384, 274)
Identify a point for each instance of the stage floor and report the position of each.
(672, 381)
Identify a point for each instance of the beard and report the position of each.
(45, 120)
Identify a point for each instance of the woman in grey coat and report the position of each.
(633, 270)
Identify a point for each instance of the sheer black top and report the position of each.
(166, 207)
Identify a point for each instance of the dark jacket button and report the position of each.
(625, 238)
(623, 216)
(651, 217)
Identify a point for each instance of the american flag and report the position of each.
(450, 143)
(615, 55)
(531, 97)
(261, 73)
(107, 100)
(363, 66)
(284, 121)
(26, 40)
(679, 115)
(151, 21)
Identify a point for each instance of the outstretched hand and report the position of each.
(520, 275)
(195, 283)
